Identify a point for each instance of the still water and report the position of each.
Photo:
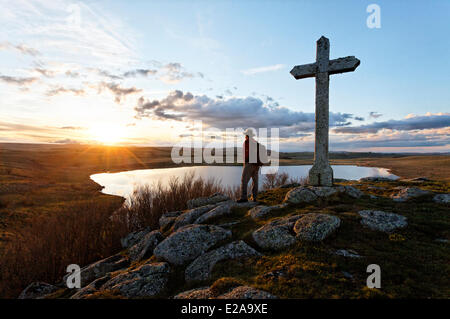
(123, 183)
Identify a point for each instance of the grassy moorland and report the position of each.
(50, 207)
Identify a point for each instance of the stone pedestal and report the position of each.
(321, 175)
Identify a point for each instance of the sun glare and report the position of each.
(107, 134)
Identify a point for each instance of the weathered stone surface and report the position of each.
(201, 267)
(224, 208)
(144, 281)
(382, 221)
(91, 288)
(191, 215)
(316, 227)
(133, 238)
(197, 293)
(262, 211)
(305, 194)
(37, 290)
(101, 268)
(353, 191)
(277, 234)
(144, 248)
(246, 292)
(324, 191)
(300, 195)
(189, 242)
(442, 198)
(408, 193)
(347, 253)
(203, 201)
(168, 218)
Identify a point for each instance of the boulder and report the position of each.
(189, 216)
(325, 191)
(101, 268)
(299, 195)
(408, 193)
(168, 219)
(382, 221)
(203, 201)
(37, 290)
(133, 238)
(145, 281)
(261, 211)
(277, 234)
(197, 293)
(144, 248)
(347, 253)
(316, 227)
(91, 288)
(353, 191)
(442, 198)
(224, 208)
(246, 292)
(188, 242)
(201, 267)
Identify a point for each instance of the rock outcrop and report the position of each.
(37, 290)
(203, 201)
(189, 242)
(306, 194)
(316, 227)
(202, 266)
(145, 281)
(133, 238)
(277, 234)
(382, 221)
(191, 215)
(101, 268)
(260, 212)
(442, 198)
(144, 248)
(409, 192)
(246, 292)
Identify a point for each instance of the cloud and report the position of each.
(44, 72)
(141, 72)
(263, 69)
(174, 72)
(21, 81)
(118, 91)
(66, 141)
(428, 121)
(231, 112)
(72, 128)
(375, 115)
(21, 48)
(62, 90)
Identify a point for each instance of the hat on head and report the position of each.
(249, 132)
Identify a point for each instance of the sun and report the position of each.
(107, 134)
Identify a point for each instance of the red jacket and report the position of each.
(247, 153)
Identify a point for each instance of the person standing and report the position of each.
(253, 152)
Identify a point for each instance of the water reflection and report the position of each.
(123, 183)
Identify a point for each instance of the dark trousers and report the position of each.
(249, 171)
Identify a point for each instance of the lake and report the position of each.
(123, 183)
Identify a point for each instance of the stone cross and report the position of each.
(321, 173)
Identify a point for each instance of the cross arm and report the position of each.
(304, 71)
(341, 65)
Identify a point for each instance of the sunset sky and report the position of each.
(140, 72)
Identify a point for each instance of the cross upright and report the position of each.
(321, 174)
